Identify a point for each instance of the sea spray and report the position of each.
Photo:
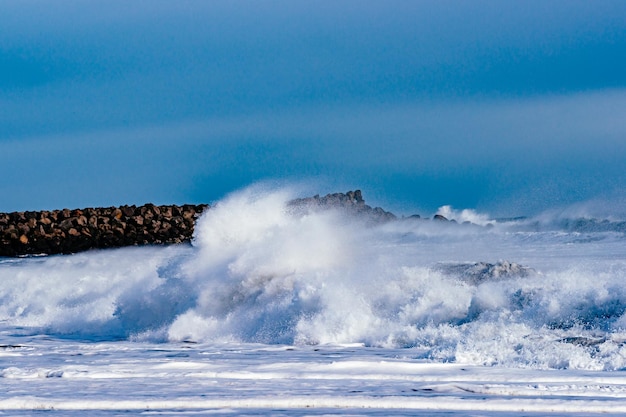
(465, 216)
(259, 269)
(512, 293)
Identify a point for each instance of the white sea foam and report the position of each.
(465, 215)
(258, 274)
(112, 377)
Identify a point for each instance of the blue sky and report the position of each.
(509, 107)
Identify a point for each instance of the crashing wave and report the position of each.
(264, 270)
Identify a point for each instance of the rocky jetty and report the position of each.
(352, 202)
(70, 231)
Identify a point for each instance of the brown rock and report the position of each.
(166, 211)
(66, 224)
(165, 227)
(128, 210)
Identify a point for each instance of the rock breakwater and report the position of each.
(352, 202)
(70, 231)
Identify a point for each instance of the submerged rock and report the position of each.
(478, 272)
(584, 341)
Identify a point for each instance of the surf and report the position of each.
(526, 292)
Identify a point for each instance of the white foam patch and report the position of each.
(465, 215)
(332, 403)
(129, 376)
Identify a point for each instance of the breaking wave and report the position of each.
(545, 293)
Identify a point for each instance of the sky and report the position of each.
(511, 108)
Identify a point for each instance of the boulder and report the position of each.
(350, 202)
(478, 272)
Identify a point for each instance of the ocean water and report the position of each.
(271, 312)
